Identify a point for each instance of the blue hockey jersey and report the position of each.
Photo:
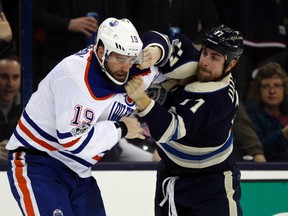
(195, 132)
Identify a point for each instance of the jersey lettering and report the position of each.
(176, 54)
(232, 90)
(118, 110)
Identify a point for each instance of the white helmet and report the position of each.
(119, 36)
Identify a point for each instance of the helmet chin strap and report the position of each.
(107, 73)
(113, 79)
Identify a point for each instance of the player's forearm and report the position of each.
(143, 102)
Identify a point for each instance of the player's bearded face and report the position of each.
(210, 66)
(118, 66)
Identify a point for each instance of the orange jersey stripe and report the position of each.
(69, 144)
(22, 183)
(35, 139)
(43, 143)
(97, 157)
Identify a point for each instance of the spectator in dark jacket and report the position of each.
(61, 28)
(247, 145)
(10, 106)
(268, 109)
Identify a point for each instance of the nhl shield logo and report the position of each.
(58, 212)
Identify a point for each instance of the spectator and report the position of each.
(6, 35)
(61, 28)
(11, 9)
(247, 146)
(10, 106)
(267, 107)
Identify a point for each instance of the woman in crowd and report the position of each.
(267, 107)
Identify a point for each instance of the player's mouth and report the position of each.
(120, 76)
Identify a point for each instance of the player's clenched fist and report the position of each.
(134, 129)
(151, 55)
(135, 88)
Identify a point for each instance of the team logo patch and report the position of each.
(157, 93)
(129, 101)
(57, 212)
(113, 23)
(80, 129)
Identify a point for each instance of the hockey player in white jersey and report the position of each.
(75, 117)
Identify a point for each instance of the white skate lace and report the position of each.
(169, 195)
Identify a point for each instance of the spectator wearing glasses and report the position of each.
(267, 107)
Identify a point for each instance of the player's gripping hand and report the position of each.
(150, 56)
(135, 89)
(134, 129)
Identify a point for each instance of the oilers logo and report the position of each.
(113, 23)
(129, 101)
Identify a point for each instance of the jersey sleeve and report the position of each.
(183, 59)
(176, 121)
(153, 38)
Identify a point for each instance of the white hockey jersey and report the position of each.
(71, 114)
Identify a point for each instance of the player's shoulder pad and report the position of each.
(154, 38)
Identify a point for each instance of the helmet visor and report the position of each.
(123, 59)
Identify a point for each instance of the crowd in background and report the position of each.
(61, 27)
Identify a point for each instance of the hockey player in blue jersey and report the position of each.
(75, 117)
(197, 176)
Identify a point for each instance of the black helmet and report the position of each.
(226, 41)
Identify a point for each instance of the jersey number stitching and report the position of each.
(196, 106)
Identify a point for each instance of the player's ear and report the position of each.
(231, 65)
(100, 52)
